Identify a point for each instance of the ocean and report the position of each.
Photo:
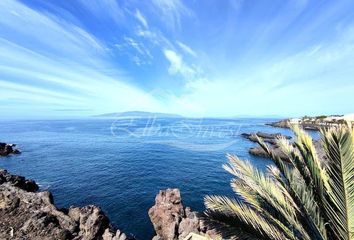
(121, 164)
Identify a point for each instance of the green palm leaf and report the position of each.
(302, 198)
(338, 145)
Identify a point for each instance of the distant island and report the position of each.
(138, 114)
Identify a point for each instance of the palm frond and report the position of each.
(260, 190)
(339, 148)
(302, 194)
(245, 214)
(305, 146)
(303, 197)
(229, 227)
(300, 180)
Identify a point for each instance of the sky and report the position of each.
(205, 58)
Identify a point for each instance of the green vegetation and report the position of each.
(306, 198)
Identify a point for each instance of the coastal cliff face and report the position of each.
(28, 214)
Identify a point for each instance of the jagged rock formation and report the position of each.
(28, 214)
(266, 137)
(270, 138)
(7, 148)
(259, 152)
(172, 221)
(18, 181)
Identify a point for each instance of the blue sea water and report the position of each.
(121, 164)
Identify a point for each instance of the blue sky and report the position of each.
(196, 58)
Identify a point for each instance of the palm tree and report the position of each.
(303, 198)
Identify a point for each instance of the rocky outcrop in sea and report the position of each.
(270, 139)
(26, 213)
(7, 149)
(266, 137)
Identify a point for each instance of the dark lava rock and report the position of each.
(172, 221)
(27, 214)
(18, 181)
(266, 137)
(259, 152)
(271, 135)
(270, 138)
(6, 149)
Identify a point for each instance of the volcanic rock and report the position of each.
(266, 137)
(172, 221)
(7, 148)
(28, 214)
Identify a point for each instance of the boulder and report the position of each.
(6, 149)
(259, 152)
(172, 221)
(190, 223)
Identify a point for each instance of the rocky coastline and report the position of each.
(314, 123)
(26, 213)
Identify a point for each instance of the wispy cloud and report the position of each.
(58, 64)
(155, 37)
(46, 32)
(141, 54)
(105, 9)
(320, 64)
(295, 84)
(171, 12)
(215, 58)
(186, 49)
(177, 65)
(141, 18)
